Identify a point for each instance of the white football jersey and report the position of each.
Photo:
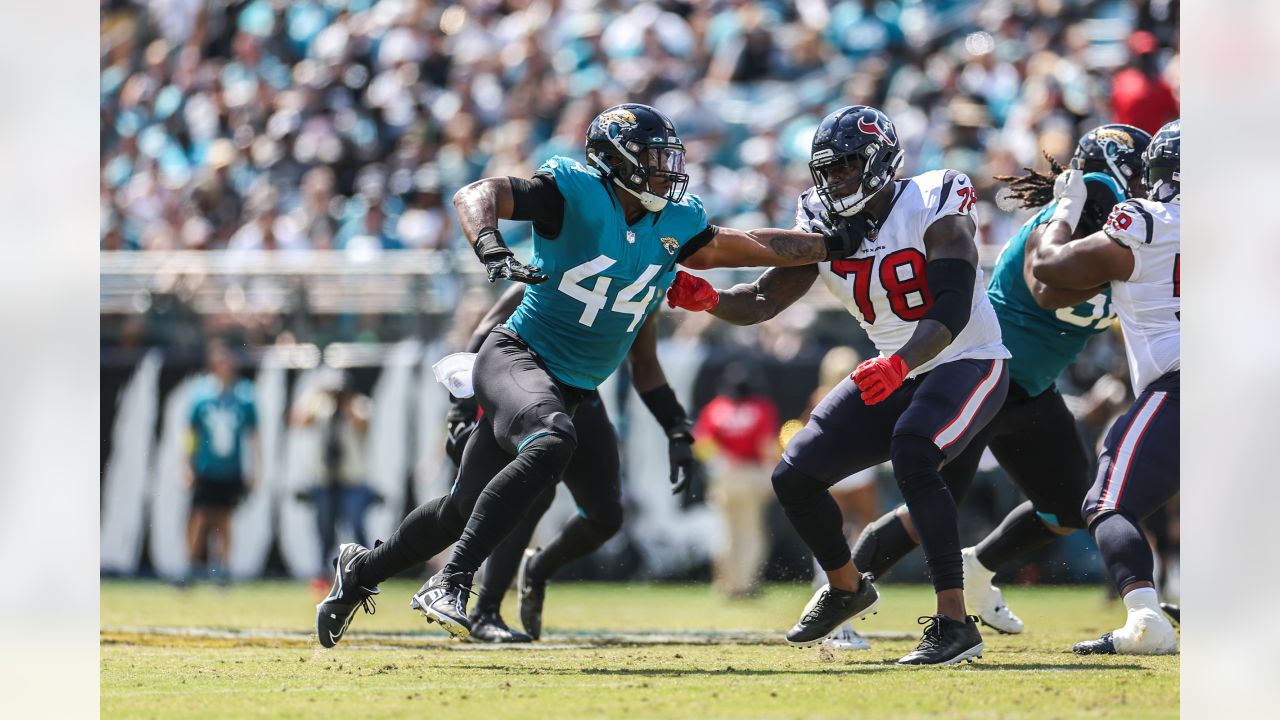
(883, 284)
(1149, 303)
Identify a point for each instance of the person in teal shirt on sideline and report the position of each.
(224, 424)
(607, 237)
(1034, 436)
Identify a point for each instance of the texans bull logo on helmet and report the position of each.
(873, 127)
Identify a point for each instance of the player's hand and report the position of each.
(680, 451)
(500, 262)
(877, 378)
(844, 235)
(692, 293)
(1070, 193)
(499, 266)
(459, 424)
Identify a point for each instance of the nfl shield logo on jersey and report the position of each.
(631, 237)
(671, 244)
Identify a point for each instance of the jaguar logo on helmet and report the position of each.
(872, 127)
(1115, 135)
(619, 117)
(671, 245)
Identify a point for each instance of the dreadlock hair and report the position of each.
(1035, 189)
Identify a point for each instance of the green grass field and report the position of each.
(632, 651)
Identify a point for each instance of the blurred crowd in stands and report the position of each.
(288, 125)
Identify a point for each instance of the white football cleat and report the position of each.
(846, 638)
(1145, 632)
(984, 599)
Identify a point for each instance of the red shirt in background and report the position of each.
(739, 427)
(1142, 101)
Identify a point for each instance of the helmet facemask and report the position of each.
(653, 173)
(846, 183)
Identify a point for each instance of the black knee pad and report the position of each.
(606, 519)
(554, 448)
(882, 544)
(915, 465)
(792, 486)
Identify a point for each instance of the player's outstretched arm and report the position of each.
(1045, 296)
(1080, 264)
(770, 247)
(651, 383)
(479, 207)
(774, 291)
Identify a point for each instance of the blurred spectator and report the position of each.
(738, 432)
(224, 457)
(341, 492)
(1139, 95)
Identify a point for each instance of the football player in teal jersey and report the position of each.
(1034, 436)
(607, 236)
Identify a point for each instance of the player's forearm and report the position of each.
(787, 248)
(774, 291)
(646, 371)
(929, 339)
(1051, 298)
(744, 304)
(481, 204)
(1057, 260)
(647, 374)
(767, 247)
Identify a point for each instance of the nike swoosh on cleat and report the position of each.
(352, 561)
(333, 638)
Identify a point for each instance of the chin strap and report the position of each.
(651, 202)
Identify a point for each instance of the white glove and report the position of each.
(1070, 194)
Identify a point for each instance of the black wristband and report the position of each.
(489, 244)
(666, 409)
(950, 282)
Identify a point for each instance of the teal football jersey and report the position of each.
(604, 276)
(1043, 342)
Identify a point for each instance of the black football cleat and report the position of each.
(829, 608)
(443, 599)
(334, 613)
(946, 642)
(1173, 611)
(1102, 646)
(488, 627)
(532, 592)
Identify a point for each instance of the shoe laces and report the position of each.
(819, 608)
(932, 631)
(368, 605)
(459, 582)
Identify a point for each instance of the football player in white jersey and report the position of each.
(915, 287)
(1138, 252)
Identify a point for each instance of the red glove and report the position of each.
(692, 293)
(877, 378)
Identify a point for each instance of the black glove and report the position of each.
(680, 452)
(459, 424)
(500, 262)
(844, 235)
